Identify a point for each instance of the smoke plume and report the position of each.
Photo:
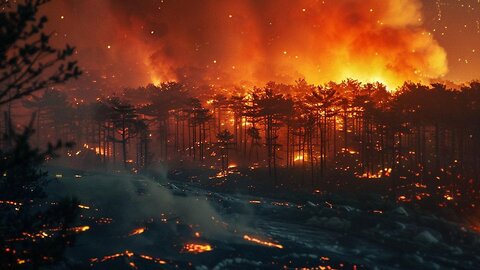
(251, 41)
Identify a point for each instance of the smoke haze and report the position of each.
(235, 42)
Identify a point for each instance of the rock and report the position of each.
(456, 251)
(349, 208)
(316, 221)
(417, 259)
(335, 223)
(356, 251)
(426, 238)
(400, 211)
(400, 226)
(311, 204)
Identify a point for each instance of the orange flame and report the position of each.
(368, 40)
(11, 203)
(80, 229)
(261, 242)
(138, 231)
(197, 248)
(128, 254)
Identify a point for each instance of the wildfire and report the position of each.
(149, 258)
(44, 234)
(360, 47)
(448, 197)
(380, 174)
(349, 151)
(110, 257)
(197, 248)
(403, 198)
(83, 207)
(220, 175)
(299, 158)
(155, 80)
(137, 231)
(97, 150)
(261, 242)
(80, 229)
(11, 203)
(285, 204)
(128, 255)
(475, 228)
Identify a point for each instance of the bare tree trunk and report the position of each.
(124, 143)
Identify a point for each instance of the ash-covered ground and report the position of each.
(140, 222)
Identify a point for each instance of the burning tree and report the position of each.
(125, 122)
(163, 100)
(274, 107)
(225, 142)
(323, 101)
(199, 117)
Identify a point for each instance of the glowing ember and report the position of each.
(11, 203)
(83, 206)
(133, 265)
(128, 255)
(80, 229)
(448, 197)
(109, 257)
(475, 228)
(298, 158)
(261, 242)
(380, 174)
(149, 258)
(197, 248)
(137, 231)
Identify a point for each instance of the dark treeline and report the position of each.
(420, 133)
(300, 135)
(34, 232)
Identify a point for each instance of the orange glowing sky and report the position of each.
(130, 43)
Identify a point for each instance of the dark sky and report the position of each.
(126, 42)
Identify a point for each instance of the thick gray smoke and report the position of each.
(118, 204)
